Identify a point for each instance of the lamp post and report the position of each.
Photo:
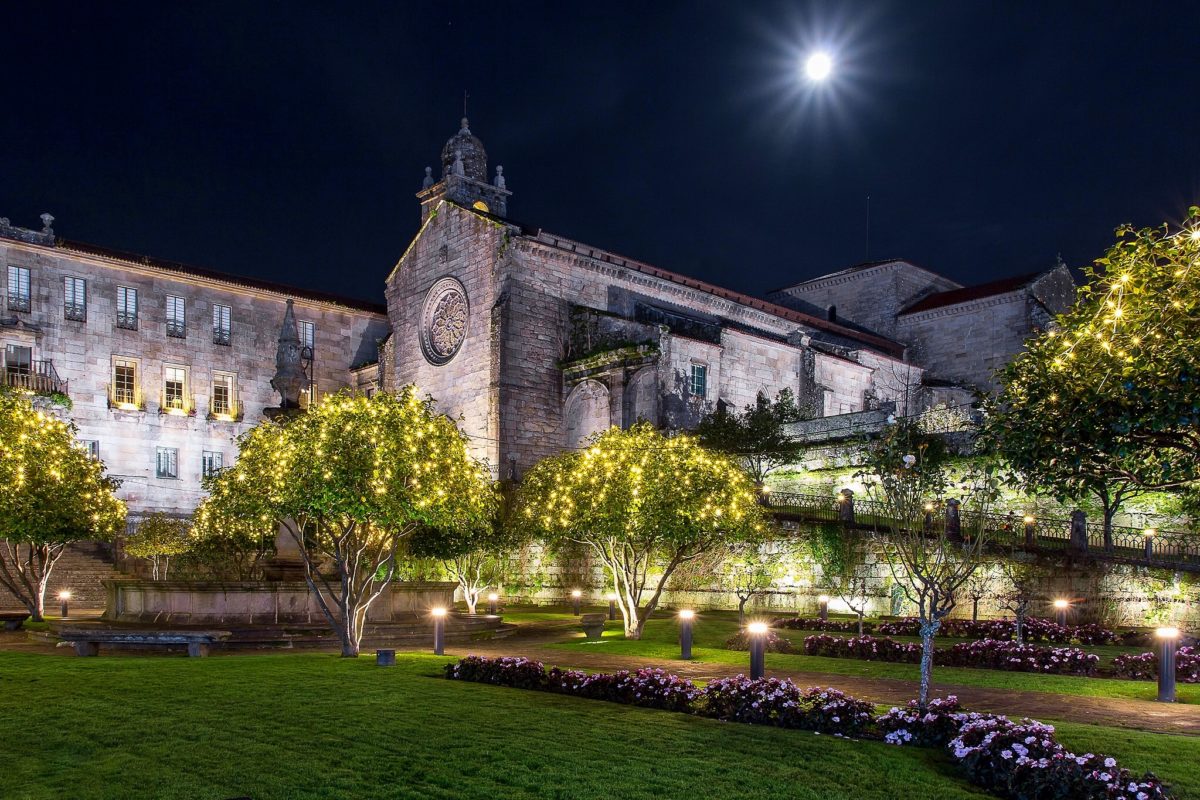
(1167, 639)
(493, 598)
(1030, 531)
(758, 648)
(929, 507)
(612, 605)
(823, 607)
(439, 631)
(1149, 535)
(575, 597)
(685, 634)
(1060, 611)
(64, 601)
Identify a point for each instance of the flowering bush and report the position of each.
(995, 654)
(867, 648)
(652, 688)
(770, 701)
(1144, 666)
(520, 673)
(934, 727)
(807, 624)
(1035, 629)
(775, 642)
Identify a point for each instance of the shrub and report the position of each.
(934, 727)
(521, 673)
(867, 648)
(1035, 629)
(651, 688)
(770, 701)
(1144, 666)
(775, 642)
(807, 624)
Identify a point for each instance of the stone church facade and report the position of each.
(532, 341)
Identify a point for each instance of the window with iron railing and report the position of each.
(223, 404)
(127, 308)
(176, 317)
(74, 299)
(18, 289)
(211, 463)
(175, 396)
(124, 388)
(221, 324)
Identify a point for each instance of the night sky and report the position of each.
(286, 140)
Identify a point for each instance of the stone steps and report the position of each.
(81, 570)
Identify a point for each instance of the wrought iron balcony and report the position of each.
(176, 329)
(127, 320)
(221, 336)
(38, 377)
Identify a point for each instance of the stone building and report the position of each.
(163, 364)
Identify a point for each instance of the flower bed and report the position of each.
(807, 624)
(1009, 759)
(985, 654)
(1144, 666)
(775, 642)
(1035, 629)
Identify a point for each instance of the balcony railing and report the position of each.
(124, 398)
(176, 329)
(221, 336)
(75, 312)
(38, 377)
(224, 411)
(127, 320)
(18, 302)
(177, 404)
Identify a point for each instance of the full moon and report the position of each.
(818, 66)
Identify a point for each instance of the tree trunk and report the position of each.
(1109, 513)
(1019, 628)
(928, 631)
(742, 609)
(860, 619)
(974, 609)
(471, 596)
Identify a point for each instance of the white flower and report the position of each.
(909, 461)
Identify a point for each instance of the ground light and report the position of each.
(612, 605)
(1168, 638)
(439, 631)
(686, 617)
(1060, 611)
(64, 601)
(823, 607)
(757, 632)
(493, 599)
(575, 597)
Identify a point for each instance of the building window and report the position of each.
(176, 321)
(124, 389)
(221, 318)
(211, 463)
(91, 447)
(308, 336)
(175, 398)
(224, 395)
(167, 463)
(18, 288)
(75, 299)
(699, 381)
(127, 308)
(18, 366)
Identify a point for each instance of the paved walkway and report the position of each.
(1137, 714)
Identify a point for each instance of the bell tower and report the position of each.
(464, 178)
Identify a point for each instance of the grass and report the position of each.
(712, 629)
(302, 726)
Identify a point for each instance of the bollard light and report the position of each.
(493, 598)
(64, 601)
(439, 631)
(823, 607)
(385, 658)
(1030, 530)
(1149, 535)
(1060, 611)
(1168, 638)
(758, 648)
(612, 605)
(685, 633)
(575, 597)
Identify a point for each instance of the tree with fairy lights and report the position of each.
(349, 480)
(52, 493)
(1106, 403)
(644, 504)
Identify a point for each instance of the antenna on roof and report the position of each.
(465, 96)
(867, 245)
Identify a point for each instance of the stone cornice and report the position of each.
(963, 308)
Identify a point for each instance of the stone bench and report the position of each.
(87, 641)
(13, 620)
(593, 624)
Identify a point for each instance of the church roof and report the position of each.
(862, 267)
(969, 293)
(224, 277)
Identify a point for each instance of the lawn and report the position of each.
(316, 726)
(712, 629)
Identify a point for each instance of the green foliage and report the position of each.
(158, 538)
(641, 502)
(756, 435)
(1107, 403)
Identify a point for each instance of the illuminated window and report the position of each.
(211, 463)
(18, 288)
(175, 389)
(167, 463)
(221, 319)
(482, 206)
(176, 319)
(125, 383)
(224, 395)
(75, 299)
(91, 447)
(699, 380)
(127, 308)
